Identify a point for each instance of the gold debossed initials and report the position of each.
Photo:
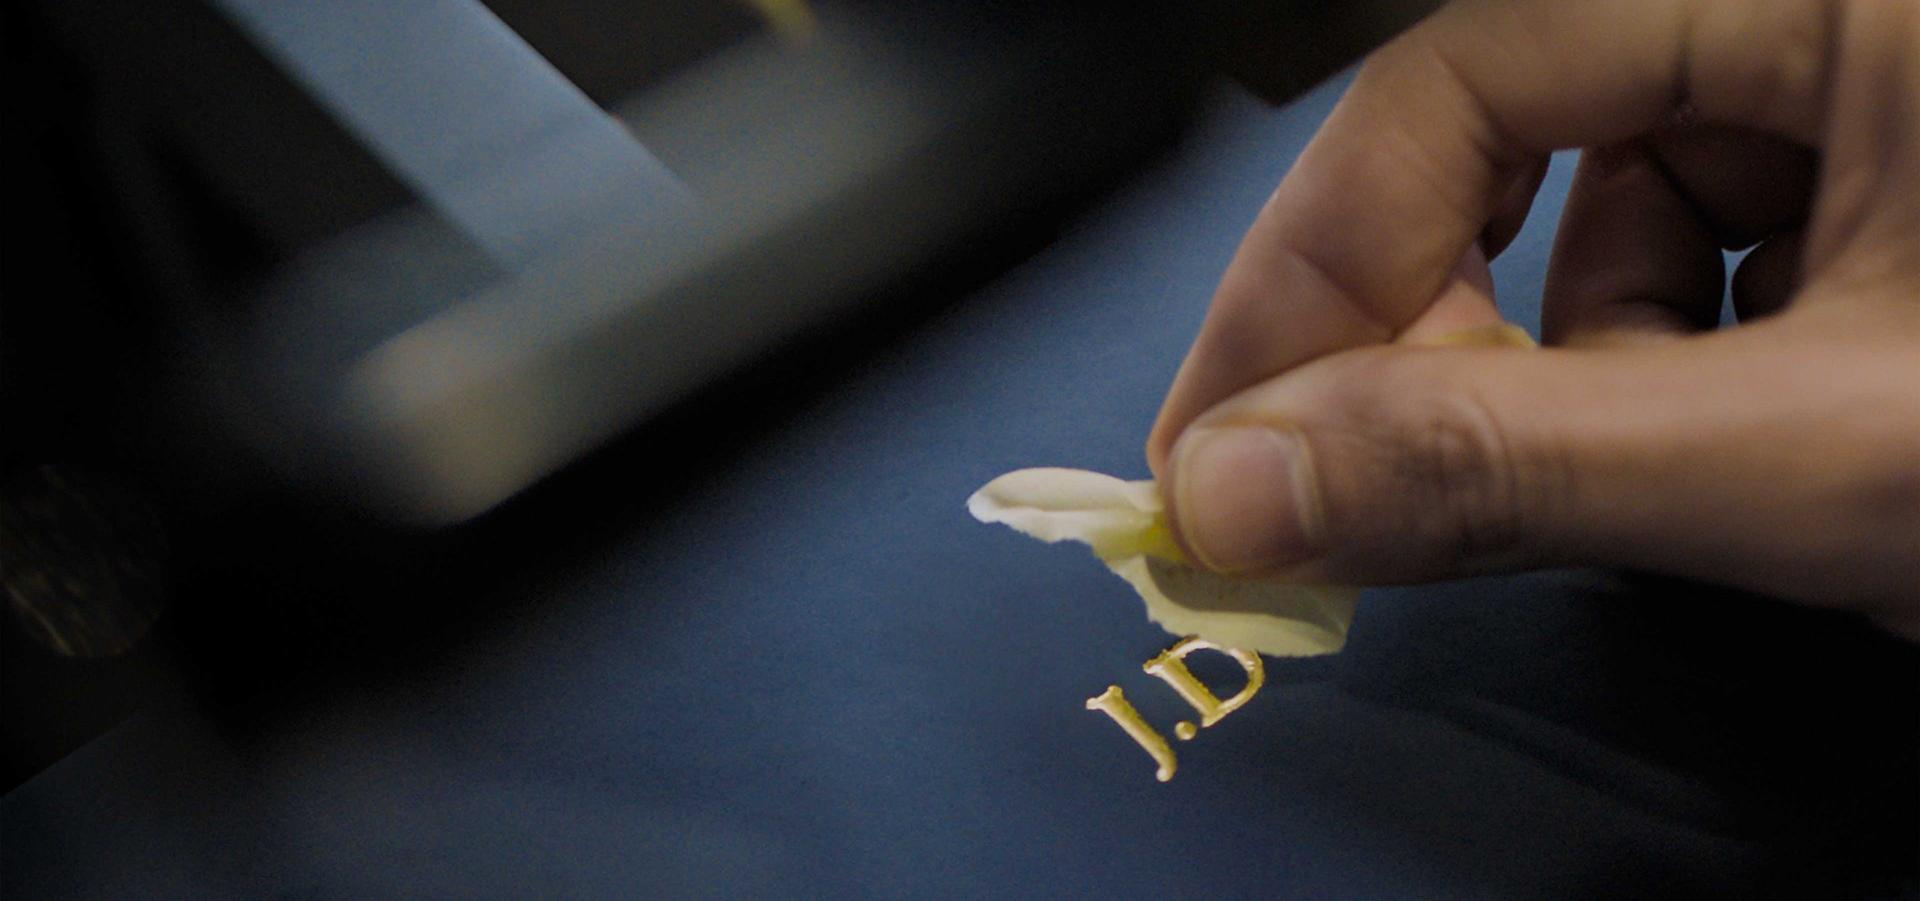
(1170, 668)
(1114, 704)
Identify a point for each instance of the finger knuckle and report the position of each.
(1783, 88)
(1463, 464)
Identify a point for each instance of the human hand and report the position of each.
(1308, 436)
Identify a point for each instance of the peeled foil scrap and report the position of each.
(1124, 523)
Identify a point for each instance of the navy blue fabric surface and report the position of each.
(811, 674)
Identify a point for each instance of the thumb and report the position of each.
(1734, 457)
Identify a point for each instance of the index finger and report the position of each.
(1415, 160)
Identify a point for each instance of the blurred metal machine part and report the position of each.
(407, 261)
(819, 172)
(541, 167)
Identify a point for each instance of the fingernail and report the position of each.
(1244, 497)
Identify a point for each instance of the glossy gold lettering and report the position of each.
(1170, 668)
(1114, 704)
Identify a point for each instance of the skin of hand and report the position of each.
(1309, 436)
